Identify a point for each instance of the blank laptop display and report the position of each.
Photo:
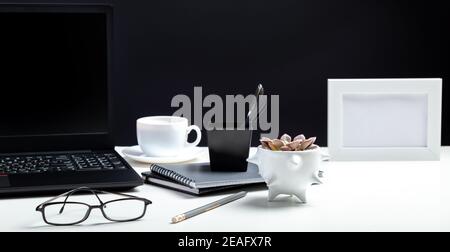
(53, 73)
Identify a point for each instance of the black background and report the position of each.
(164, 47)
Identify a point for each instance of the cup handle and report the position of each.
(199, 135)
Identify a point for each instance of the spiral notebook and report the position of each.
(198, 178)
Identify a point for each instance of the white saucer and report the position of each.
(135, 153)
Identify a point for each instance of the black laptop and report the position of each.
(55, 100)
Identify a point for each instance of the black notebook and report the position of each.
(198, 178)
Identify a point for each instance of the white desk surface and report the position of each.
(355, 196)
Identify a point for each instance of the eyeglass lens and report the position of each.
(123, 210)
(72, 213)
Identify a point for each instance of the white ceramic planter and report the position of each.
(288, 172)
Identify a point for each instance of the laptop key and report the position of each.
(91, 169)
(60, 163)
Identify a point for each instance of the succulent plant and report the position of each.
(286, 143)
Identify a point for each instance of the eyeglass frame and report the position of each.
(41, 207)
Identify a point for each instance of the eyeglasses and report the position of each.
(67, 212)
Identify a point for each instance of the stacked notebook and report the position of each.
(199, 179)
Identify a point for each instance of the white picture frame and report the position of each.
(384, 119)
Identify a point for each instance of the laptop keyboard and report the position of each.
(60, 163)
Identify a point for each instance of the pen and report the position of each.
(210, 206)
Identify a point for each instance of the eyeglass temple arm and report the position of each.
(67, 194)
(126, 195)
(93, 191)
(76, 190)
(123, 194)
(52, 199)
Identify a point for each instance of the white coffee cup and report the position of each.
(165, 136)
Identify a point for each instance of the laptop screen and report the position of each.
(53, 73)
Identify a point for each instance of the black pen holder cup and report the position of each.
(229, 148)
